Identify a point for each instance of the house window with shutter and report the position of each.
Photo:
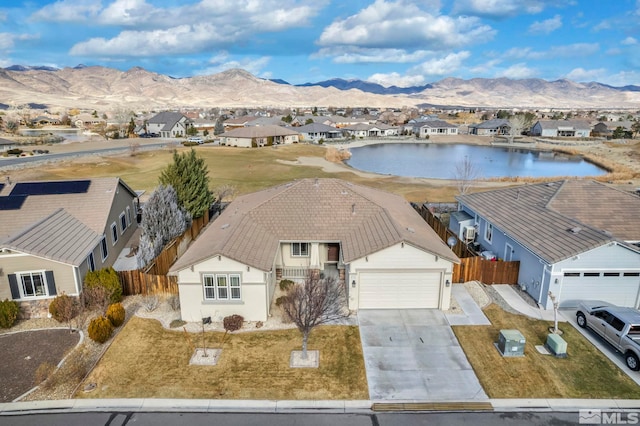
(32, 284)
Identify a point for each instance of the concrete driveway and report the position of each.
(412, 354)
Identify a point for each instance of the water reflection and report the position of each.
(439, 161)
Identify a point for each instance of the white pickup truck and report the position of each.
(617, 325)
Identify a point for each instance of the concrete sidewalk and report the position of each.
(472, 314)
(519, 304)
(273, 406)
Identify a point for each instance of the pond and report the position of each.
(439, 161)
(70, 135)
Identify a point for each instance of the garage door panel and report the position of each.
(397, 290)
(621, 291)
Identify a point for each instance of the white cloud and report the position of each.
(8, 40)
(518, 71)
(499, 8)
(434, 67)
(401, 24)
(581, 74)
(622, 78)
(125, 12)
(547, 26)
(222, 62)
(569, 50)
(353, 54)
(629, 41)
(69, 11)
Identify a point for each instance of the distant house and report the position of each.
(372, 241)
(497, 126)
(169, 124)
(579, 239)
(43, 120)
(237, 122)
(86, 120)
(606, 128)
(427, 128)
(341, 122)
(53, 232)
(561, 128)
(6, 145)
(257, 136)
(315, 131)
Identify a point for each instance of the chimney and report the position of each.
(353, 208)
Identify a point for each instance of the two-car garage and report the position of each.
(400, 289)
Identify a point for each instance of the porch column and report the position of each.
(314, 258)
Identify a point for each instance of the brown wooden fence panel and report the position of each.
(486, 271)
(137, 282)
(460, 248)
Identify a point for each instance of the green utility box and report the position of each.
(511, 343)
(556, 345)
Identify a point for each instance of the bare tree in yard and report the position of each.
(518, 124)
(314, 302)
(465, 174)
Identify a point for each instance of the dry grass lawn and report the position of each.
(148, 361)
(585, 373)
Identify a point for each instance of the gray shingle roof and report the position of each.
(436, 124)
(541, 216)
(59, 237)
(364, 220)
(491, 124)
(259, 132)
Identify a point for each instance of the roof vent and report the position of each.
(575, 229)
(344, 192)
(413, 231)
(550, 184)
(225, 226)
(353, 208)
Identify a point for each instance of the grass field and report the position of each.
(248, 170)
(585, 373)
(148, 361)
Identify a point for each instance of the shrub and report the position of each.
(43, 372)
(95, 297)
(14, 151)
(100, 329)
(63, 308)
(232, 322)
(116, 314)
(9, 310)
(177, 323)
(108, 279)
(150, 302)
(285, 284)
(174, 302)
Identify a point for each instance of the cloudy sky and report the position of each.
(401, 42)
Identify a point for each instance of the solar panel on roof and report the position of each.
(51, 188)
(12, 202)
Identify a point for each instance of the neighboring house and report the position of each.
(168, 124)
(561, 128)
(6, 145)
(256, 136)
(53, 232)
(434, 127)
(497, 126)
(86, 120)
(576, 238)
(341, 122)
(364, 130)
(43, 120)
(372, 241)
(315, 131)
(237, 122)
(606, 128)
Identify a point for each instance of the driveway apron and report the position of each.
(413, 355)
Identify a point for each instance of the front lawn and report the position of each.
(585, 373)
(147, 361)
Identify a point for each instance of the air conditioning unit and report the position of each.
(469, 233)
(511, 343)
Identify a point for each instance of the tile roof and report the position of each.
(544, 217)
(317, 128)
(435, 124)
(491, 124)
(259, 132)
(555, 124)
(364, 220)
(91, 207)
(59, 236)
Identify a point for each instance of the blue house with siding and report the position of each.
(578, 239)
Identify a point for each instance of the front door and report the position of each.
(508, 252)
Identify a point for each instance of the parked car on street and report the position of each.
(617, 325)
(195, 139)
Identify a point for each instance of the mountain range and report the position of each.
(100, 88)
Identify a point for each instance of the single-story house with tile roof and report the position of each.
(256, 136)
(315, 131)
(373, 241)
(168, 124)
(53, 232)
(434, 127)
(561, 128)
(578, 239)
(496, 126)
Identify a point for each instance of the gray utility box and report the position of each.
(511, 343)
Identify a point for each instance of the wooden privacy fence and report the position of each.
(486, 271)
(472, 267)
(137, 282)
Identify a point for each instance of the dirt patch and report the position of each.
(24, 352)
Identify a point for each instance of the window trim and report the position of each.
(128, 215)
(114, 234)
(21, 288)
(91, 262)
(211, 284)
(488, 232)
(299, 245)
(123, 220)
(104, 249)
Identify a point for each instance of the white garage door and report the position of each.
(618, 288)
(397, 290)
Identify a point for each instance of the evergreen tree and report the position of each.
(162, 221)
(188, 175)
